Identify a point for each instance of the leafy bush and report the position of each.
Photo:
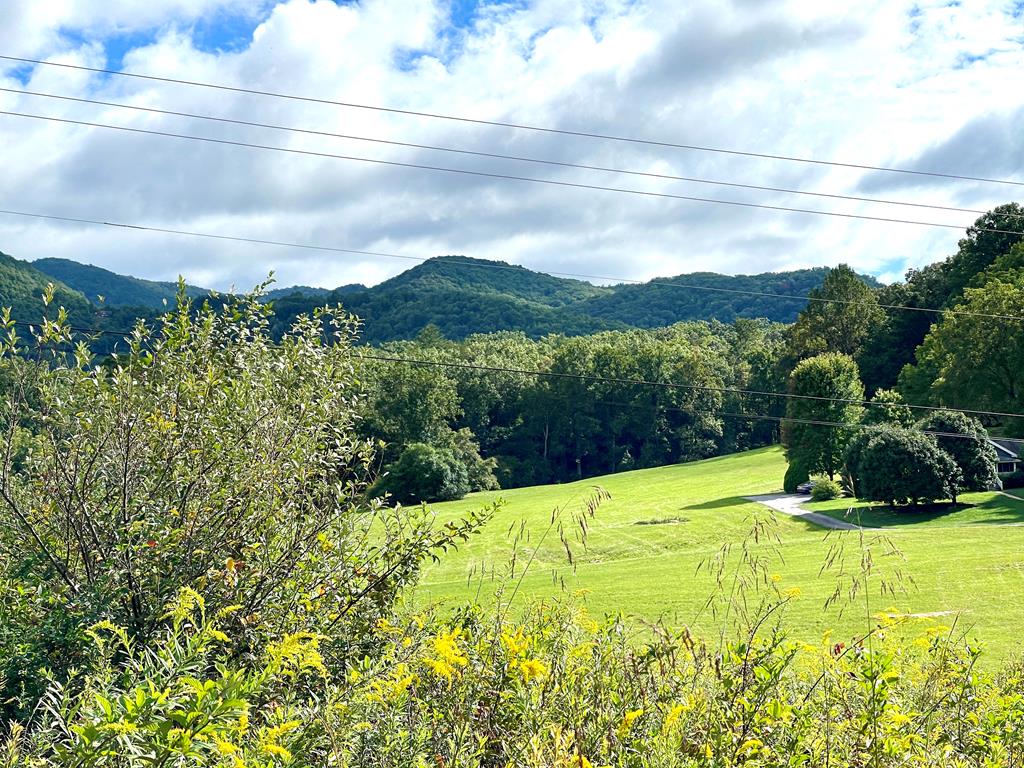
(204, 456)
(900, 466)
(182, 701)
(826, 490)
(796, 473)
(424, 473)
(975, 456)
(479, 471)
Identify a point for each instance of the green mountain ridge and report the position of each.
(115, 289)
(461, 296)
(22, 286)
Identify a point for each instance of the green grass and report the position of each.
(646, 544)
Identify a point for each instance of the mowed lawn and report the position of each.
(647, 542)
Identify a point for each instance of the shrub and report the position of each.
(480, 472)
(182, 700)
(204, 456)
(900, 466)
(425, 473)
(826, 490)
(796, 473)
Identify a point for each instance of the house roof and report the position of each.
(1008, 448)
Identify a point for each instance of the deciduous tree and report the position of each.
(827, 395)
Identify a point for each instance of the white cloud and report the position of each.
(882, 83)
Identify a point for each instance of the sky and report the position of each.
(935, 86)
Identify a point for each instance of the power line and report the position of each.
(500, 156)
(492, 175)
(779, 419)
(517, 126)
(506, 267)
(623, 380)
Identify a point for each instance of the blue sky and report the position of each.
(927, 84)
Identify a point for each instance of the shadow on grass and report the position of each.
(997, 510)
(729, 501)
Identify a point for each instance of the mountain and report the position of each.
(456, 294)
(125, 291)
(664, 301)
(116, 290)
(301, 290)
(22, 287)
(461, 296)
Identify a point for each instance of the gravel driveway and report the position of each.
(792, 504)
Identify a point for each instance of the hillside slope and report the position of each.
(22, 286)
(650, 544)
(116, 290)
(462, 296)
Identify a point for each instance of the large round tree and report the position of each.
(973, 454)
(900, 466)
(827, 396)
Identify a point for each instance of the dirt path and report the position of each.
(792, 505)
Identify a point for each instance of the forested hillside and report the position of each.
(116, 290)
(460, 296)
(22, 286)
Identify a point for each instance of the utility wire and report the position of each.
(503, 124)
(780, 419)
(504, 176)
(506, 267)
(500, 156)
(620, 380)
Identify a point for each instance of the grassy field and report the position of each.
(646, 545)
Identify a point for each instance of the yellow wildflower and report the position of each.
(627, 721)
(673, 717)
(446, 646)
(750, 745)
(277, 751)
(440, 668)
(531, 669)
(516, 644)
